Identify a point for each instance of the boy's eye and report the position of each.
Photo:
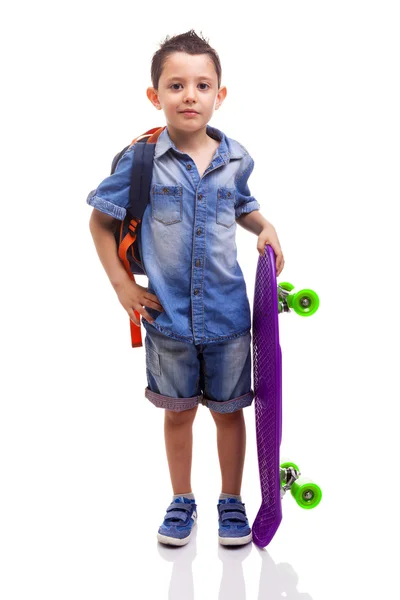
(174, 86)
(205, 84)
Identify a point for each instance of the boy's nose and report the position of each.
(190, 96)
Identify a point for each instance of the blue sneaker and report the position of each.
(178, 522)
(234, 529)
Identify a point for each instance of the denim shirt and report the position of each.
(188, 237)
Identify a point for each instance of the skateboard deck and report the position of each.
(267, 370)
(275, 478)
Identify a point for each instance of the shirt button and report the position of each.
(229, 194)
(197, 263)
(196, 292)
(188, 166)
(199, 231)
(165, 190)
(200, 196)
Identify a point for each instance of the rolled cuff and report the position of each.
(175, 404)
(230, 406)
(247, 208)
(106, 207)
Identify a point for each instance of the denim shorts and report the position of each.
(180, 375)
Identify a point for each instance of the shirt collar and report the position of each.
(224, 152)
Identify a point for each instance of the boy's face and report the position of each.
(187, 82)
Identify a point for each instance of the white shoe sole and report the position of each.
(165, 539)
(235, 541)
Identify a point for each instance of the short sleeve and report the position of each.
(245, 202)
(112, 195)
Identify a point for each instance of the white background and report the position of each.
(313, 94)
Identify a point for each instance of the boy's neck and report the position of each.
(189, 141)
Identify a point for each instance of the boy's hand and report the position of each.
(133, 297)
(268, 236)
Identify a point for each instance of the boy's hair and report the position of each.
(188, 42)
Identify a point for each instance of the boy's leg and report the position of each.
(233, 524)
(173, 375)
(231, 442)
(227, 376)
(178, 432)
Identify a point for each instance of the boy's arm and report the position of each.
(252, 221)
(256, 223)
(131, 295)
(102, 228)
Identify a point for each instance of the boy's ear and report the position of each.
(153, 97)
(220, 97)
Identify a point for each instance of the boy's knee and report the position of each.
(227, 417)
(182, 417)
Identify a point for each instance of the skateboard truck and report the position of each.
(283, 294)
(288, 477)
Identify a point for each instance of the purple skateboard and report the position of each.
(267, 367)
(275, 479)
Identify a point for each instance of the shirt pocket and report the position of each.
(226, 198)
(166, 202)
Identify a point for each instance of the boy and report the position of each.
(195, 311)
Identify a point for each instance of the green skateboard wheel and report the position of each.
(305, 302)
(306, 493)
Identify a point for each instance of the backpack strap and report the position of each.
(142, 172)
(117, 158)
(141, 178)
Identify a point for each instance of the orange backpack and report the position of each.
(127, 234)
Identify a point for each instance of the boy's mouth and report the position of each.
(192, 112)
